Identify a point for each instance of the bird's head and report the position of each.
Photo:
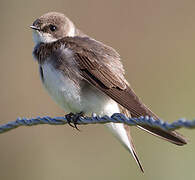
(51, 27)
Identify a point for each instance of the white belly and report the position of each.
(74, 99)
(61, 89)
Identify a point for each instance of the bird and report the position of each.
(85, 76)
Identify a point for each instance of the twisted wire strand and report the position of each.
(116, 118)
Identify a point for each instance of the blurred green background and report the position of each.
(156, 40)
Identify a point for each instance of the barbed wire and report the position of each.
(116, 118)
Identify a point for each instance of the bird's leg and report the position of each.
(71, 117)
(76, 117)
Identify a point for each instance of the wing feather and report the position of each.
(100, 65)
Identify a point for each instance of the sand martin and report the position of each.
(85, 76)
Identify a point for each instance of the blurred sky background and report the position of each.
(156, 40)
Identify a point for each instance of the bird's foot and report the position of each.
(73, 118)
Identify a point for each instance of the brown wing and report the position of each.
(100, 65)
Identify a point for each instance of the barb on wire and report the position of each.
(116, 118)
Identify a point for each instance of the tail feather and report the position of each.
(122, 132)
(171, 136)
(131, 147)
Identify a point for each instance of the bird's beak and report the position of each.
(35, 28)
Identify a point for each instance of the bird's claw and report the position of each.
(73, 118)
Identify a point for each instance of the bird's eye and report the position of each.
(52, 27)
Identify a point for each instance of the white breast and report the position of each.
(61, 88)
(73, 99)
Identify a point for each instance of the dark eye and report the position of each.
(52, 27)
